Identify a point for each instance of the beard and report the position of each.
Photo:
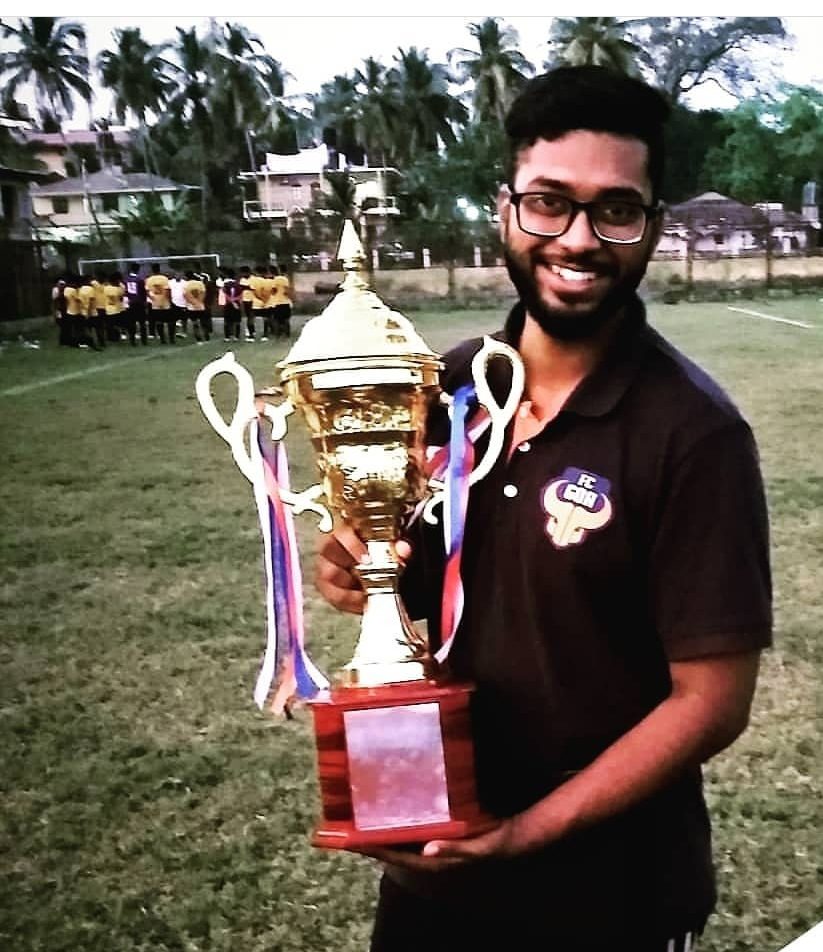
(563, 325)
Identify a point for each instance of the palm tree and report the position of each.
(497, 68)
(140, 79)
(335, 108)
(591, 41)
(248, 82)
(52, 56)
(377, 110)
(428, 110)
(191, 101)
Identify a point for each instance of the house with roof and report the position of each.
(712, 224)
(62, 152)
(286, 186)
(22, 289)
(80, 205)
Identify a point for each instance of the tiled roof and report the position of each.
(75, 137)
(111, 180)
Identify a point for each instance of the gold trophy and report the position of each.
(394, 746)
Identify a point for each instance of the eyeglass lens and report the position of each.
(551, 215)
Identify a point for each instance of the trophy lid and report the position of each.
(356, 323)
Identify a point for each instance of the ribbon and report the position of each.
(286, 668)
(458, 469)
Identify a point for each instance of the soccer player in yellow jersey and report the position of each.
(159, 293)
(100, 307)
(260, 291)
(74, 313)
(88, 307)
(114, 289)
(194, 291)
(246, 300)
(281, 304)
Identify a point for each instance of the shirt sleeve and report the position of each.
(709, 573)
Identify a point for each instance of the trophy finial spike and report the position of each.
(352, 256)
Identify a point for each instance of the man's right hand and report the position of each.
(337, 555)
(335, 578)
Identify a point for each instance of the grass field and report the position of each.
(147, 805)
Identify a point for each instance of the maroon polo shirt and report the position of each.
(630, 532)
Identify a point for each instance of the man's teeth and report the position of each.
(568, 274)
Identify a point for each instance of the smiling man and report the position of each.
(615, 566)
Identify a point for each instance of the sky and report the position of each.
(314, 48)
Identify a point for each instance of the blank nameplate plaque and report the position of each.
(397, 767)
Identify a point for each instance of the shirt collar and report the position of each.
(599, 392)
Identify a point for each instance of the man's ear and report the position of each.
(504, 207)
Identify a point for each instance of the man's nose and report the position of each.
(579, 236)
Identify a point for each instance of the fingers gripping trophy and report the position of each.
(394, 747)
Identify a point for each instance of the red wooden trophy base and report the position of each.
(396, 765)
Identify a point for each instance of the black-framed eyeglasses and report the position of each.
(549, 215)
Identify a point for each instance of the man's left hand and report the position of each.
(438, 855)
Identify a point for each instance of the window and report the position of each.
(718, 239)
(60, 205)
(111, 203)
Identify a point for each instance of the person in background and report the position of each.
(88, 306)
(58, 302)
(178, 304)
(100, 308)
(247, 300)
(115, 292)
(260, 290)
(159, 296)
(74, 312)
(232, 296)
(194, 291)
(209, 299)
(136, 315)
(281, 304)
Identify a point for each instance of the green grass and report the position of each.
(147, 804)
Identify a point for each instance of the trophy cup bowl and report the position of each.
(394, 745)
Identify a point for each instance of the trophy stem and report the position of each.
(389, 649)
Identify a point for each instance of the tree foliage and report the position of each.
(592, 41)
(51, 57)
(682, 53)
(211, 101)
(497, 70)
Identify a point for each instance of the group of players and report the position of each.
(96, 310)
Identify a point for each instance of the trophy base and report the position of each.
(396, 765)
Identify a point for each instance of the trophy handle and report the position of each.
(499, 416)
(245, 413)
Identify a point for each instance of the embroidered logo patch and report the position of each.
(576, 503)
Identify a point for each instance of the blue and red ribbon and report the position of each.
(458, 469)
(287, 671)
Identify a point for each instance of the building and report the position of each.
(288, 185)
(714, 224)
(63, 152)
(22, 289)
(88, 202)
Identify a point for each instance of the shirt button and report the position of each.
(525, 447)
(510, 491)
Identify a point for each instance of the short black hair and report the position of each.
(595, 98)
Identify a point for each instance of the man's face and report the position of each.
(572, 284)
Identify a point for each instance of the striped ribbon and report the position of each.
(287, 671)
(458, 468)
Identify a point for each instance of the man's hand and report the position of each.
(439, 855)
(335, 579)
(338, 554)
